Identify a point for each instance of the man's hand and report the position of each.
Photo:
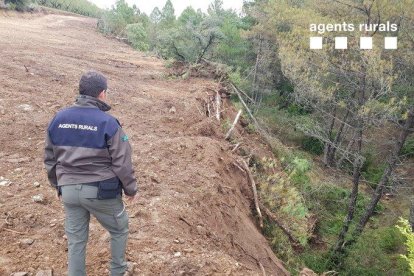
(132, 199)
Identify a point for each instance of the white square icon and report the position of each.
(315, 42)
(390, 42)
(341, 42)
(365, 42)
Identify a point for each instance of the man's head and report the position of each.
(92, 83)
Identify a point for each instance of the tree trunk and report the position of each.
(256, 67)
(358, 162)
(392, 162)
(328, 145)
(354, 194)
(331, 154)
(347, 150)
(203, 52)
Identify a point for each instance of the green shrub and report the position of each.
(295, 109)
(169, 63)
(300, 179)
(329, 203)
(137, 36)
(272, 99)
(312, 145)
(115, 22)
(19, 5)
(301, 165)
(330, 226)
(317, 262)
(281, 245)
(82, 7)
(281, 124)
(373, 254)
(285, 89)
(404, 228)
(408, 149)
(391, 239)
(291, 159)
(285, 199)
(250, 128)
(297, 168)
(236, 77)
(333, 198)
(372, 168)
(373, 174)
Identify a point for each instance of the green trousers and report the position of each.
(80, 201)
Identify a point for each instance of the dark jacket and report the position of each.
(84, 144)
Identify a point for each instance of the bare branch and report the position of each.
(228, 135)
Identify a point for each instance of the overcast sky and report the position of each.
(179, 5)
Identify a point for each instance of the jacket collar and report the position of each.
(89, 101)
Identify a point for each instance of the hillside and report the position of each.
(193, 215)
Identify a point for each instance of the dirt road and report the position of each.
(193, 216)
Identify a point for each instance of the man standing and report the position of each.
(88, 161)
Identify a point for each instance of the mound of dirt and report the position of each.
(194, 213)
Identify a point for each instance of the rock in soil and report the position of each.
(131, 267)
(27, 241)
(5, 183)
(47, 272)
(173, 110)
(26, 107)
(38, 198)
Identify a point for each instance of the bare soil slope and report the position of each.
(193, 216)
